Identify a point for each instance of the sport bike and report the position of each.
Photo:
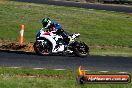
(48, 42)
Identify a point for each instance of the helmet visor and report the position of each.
(45, 24)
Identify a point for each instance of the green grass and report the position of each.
(29, 78)
(97, 28)
(127, 52)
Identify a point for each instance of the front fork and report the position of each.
(42, 43)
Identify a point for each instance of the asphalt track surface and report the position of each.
(92, 63)
(125, 9)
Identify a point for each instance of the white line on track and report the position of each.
(88, 70)
(38, 68)
(65, 69)
(13, 67)
(104, 71)
(59, 69)
(122, 72)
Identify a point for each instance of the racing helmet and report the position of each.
(46, 22)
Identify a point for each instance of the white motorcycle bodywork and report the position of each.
(52, 37)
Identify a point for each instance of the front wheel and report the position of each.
(82, 50)
(42, 48)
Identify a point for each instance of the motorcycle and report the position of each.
(47, 43)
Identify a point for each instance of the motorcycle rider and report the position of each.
(54, 26)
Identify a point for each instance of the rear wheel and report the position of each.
(42, 48)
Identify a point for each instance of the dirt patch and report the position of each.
(16, 46)
(130, 14)
(4, 2)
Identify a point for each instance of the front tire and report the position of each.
(82, 50)
(42, 49)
